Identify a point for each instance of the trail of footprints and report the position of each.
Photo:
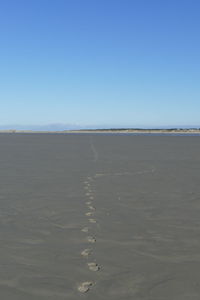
(85, 253)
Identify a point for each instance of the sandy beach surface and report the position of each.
(99, 217)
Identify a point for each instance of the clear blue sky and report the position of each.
(100, 62)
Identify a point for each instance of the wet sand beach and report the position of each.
(85, 216)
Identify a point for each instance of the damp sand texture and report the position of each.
(144, 242)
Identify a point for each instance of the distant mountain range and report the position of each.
(47, 127)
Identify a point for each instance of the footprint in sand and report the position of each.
(93, 267)
(91, 207)
(89, 214)
(85, 229)
(92, 221)
(86, 252)
(88, 194)
(91, 239)
(85, 286)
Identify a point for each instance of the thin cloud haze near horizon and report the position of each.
(99, 64)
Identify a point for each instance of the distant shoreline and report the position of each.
(111, 130)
